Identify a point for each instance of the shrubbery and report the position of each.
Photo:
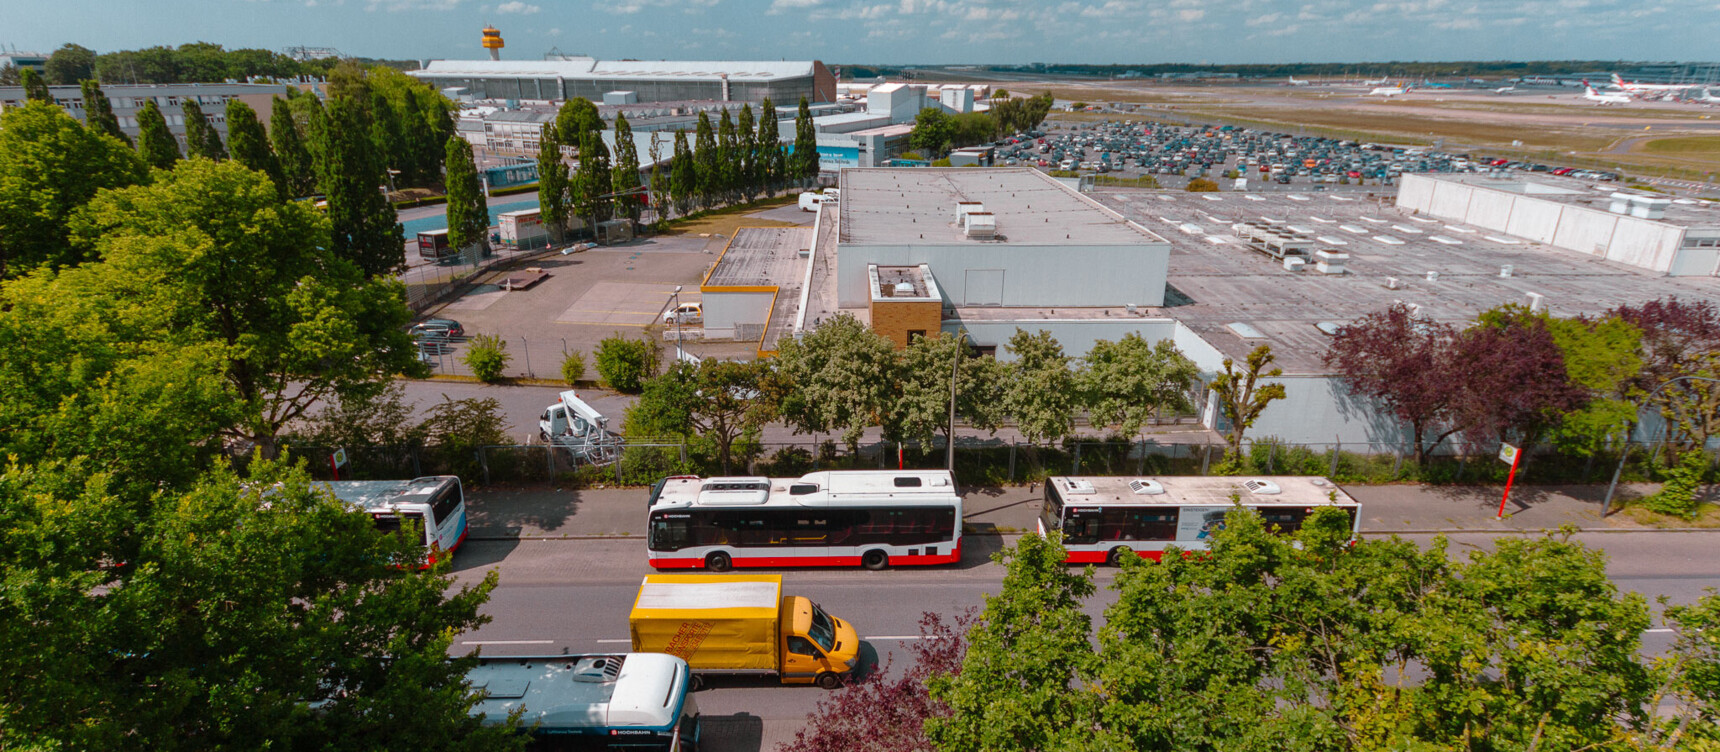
(487, 355)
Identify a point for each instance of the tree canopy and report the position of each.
(49, 166)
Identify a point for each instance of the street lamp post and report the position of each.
(1606, 505)
(675, 311)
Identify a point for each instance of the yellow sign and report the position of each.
(1508, 454)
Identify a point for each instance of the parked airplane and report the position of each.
(1641, 89)
(1706, 98)
(1504, 90)
(1388, 91)
(1377, 82)
(1297, 82)
(1590, 94)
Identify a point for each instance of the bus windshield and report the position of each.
(823, 629)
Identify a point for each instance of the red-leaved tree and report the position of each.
(1511, 381)
(1404, 365)
(1680, 339)
(886, 711)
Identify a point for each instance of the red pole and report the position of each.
(1516, 458)
(899, 463)
(334, 467)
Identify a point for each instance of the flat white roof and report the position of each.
(917, 206)
(1293, 490)
(820, 489)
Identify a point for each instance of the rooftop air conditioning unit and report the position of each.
(1080, 487)
(1146, 487)
(1294, 263)
(1328, 261)
(1261, 487)
(981, 225)
(596, 670)
(904, 289)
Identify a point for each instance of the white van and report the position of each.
(809, 201)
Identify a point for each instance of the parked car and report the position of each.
(432, 329)
(686, 313)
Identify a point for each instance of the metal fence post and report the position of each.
(484, 462)
(683, 454)
(1397, 465)
(1076, 468)
(1337, 446)
(1205, 459)
(417, 471)
(549, 462)
(1012, 460)
(1271, 458)
(526, 347)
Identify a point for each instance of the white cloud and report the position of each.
(628, 7)
(515, 6)
(780, 6)
(397, 6)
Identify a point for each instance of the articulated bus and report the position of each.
(639, 702)
(868, 518)
(435, 503)
(1102, 517)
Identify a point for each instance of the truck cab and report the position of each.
(816, 647)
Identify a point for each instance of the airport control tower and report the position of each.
(493, 42)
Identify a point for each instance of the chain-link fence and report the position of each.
(528, 357)
(429, 282)
(992, 463)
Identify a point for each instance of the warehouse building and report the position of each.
(633, 81)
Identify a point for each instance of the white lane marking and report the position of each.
(507, 642)
(611, 641)
(892, 637)
(1657, 631)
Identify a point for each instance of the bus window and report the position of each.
(670, 533)
(1286, 521)
(1142, 524)
(393, 522)
(1082, 526)
(1052, 515)
(446, 501)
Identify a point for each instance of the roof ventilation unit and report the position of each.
(1294, 263)
(596, 670)
(1261, 487)
(1328, 261)
(1080, 487)
(1537, 301)
(1146, 487)
(981, 225)
(1506, 271)
(735, 491)
(964, 208)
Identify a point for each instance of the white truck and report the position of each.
(579, 428)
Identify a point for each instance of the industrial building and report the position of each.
(1218, 274)
(632, 81)
(128, 99)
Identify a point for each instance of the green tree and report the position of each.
(208, 257)
(840, 377)
(249, 145)
(201, 139)
(1040, 391)
(592, 179)
(155, 143)
(365, 228)
(387, 140)
(773, 160)
(35, 88)
(1028, 649)
(573, 368)
(805, 144)
(1601, 357)
(468, 212)
(487, 355)
(728, 158)
(242, 599)
(624, 177)
(577, 117)
(626, 364)
(70, 65)
(98, 113)
(728, 399)
(289, 146)
(746, 133)
(683, 175)
(709, 161)
(1242, 398)
(1129, 382)
(49, 166)
(456, 430)
(932, 130)
(922, 401)
(552, 185)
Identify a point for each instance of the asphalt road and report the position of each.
(575, 595)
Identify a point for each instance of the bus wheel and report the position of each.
(719, 562)
(828, 680)
(1115, 557)
(875, 560)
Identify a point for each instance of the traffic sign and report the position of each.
(340, 458)
(1507, 454)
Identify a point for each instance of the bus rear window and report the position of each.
(390, 522)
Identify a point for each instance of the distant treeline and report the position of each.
(1277, 70)
(197, 62)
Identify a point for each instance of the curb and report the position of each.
(1447, 531)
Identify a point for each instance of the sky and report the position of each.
(900, 31)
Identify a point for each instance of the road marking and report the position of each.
(893, 637)
(508, 642)
(612, 641)
(1657, 631)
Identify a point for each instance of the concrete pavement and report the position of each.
(562, 513)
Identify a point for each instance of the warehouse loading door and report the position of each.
(984, 287)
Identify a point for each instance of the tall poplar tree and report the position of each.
(35, 87)
(747, 144)
(552, 184)
(98, 112)
(249, 145)
(594, 178)
(707, 157)
(805, 144)
(386, 137)
(365, 228)
(577, 116)
(772, 162)
(625, 175)
(201, 139)
(468, 212)
(154, 142)
(683, 175)
(290, 150)
(728, 157)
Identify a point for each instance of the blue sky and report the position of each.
(901, 31)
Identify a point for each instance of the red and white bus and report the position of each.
(1103, 517)
(435, 505)
(835, 518)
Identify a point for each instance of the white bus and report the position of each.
(835, 518)
(1102, 517)
(631, 701)
(435, 503)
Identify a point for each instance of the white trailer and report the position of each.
(523, 228)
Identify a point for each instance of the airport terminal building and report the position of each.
(783, 82)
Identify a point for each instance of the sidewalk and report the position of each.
(620, 512)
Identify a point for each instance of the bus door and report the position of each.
(1081, 525)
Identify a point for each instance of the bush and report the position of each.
(1678, 496)
(487, 355)
(1201, 185)
(624, 364)
(572, 368)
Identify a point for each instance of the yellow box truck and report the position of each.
(742, 624)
